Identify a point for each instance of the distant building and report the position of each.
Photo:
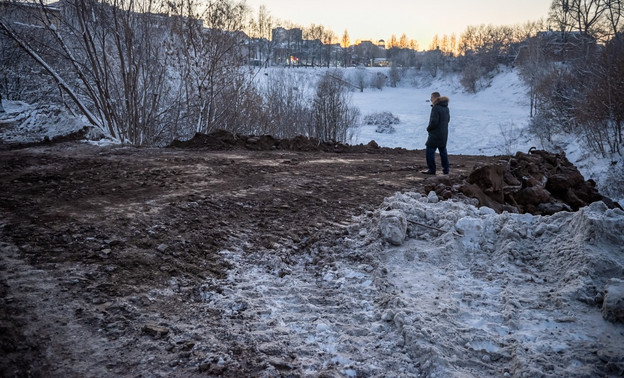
(281, 35)
(558, 46)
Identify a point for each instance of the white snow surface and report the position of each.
(25, 123)
(491, 295)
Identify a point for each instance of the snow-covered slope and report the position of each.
(491, 122)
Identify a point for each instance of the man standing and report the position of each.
(438, 133)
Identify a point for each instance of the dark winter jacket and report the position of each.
(438, 123)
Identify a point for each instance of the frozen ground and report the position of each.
(514, 295)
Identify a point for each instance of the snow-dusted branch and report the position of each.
(62, 84)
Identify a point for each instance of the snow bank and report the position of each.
(24, 123)
(468, 292)
(515, 294)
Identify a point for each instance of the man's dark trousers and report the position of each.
(430, 153)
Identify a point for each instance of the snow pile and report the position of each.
(383, 121)
(393, 226)
(24, 123)
(613, 306)
(468, 292)
(517, 292)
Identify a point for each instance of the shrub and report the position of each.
(332, 114)
(383, 121)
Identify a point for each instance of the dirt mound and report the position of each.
(224, 140)
(538, 183)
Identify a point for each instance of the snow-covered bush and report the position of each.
(383, 121)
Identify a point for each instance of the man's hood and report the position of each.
(443, 100)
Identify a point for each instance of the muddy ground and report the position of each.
(105, 249)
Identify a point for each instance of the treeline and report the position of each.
(149, 72)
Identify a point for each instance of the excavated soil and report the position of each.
(108, 252)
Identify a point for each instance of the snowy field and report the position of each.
(490, 122)
(490, 295)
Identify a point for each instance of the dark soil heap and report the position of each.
(225, 140)
(539, 182)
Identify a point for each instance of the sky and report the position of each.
(418, 19)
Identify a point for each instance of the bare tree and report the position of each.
(404, 41)
(613, 15)
(345, 43)
(25, 45)
(146, 71)
(413, 45)
(331, 110)
(533, 66)
(435, 43)
(316, 34)
(600, 107)
(560, 15)
(260, 30)
(211, 63)
(329, 38)
(587, 14)
(286, 110)
(588, 17)
(105, 56)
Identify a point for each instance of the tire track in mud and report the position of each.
(30, 297)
